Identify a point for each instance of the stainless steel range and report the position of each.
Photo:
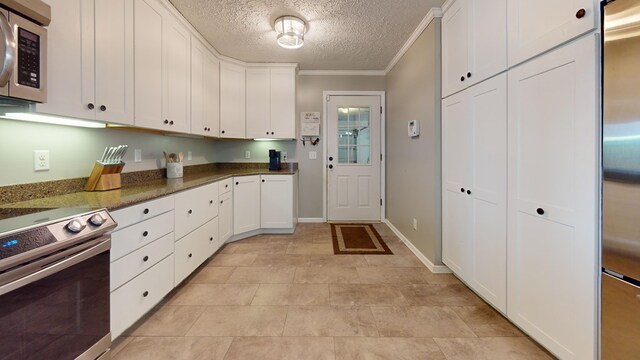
(54, 285)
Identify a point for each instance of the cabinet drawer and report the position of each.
(130, 266)
(194, 208)
(137, 213)
(139, 295)
(194, 249)
(224, 186)
(134, 237)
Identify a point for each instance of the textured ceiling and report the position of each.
(341, 34)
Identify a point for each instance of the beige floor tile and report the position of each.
(161, 348)
(367, 348)
(281, 260)
(259, 248)
(281, 348)
(414, 321)
(486, 322)
(212, 275)
(310, 248)
(168, 320)
(394, 261)
(232, 260)
(215, 294)
(228, 248)
(240, 321)
(383, 229)
(376, 275)
(397, 247)
(262, 275)
(118, 344)
(365, 294)
(439, 279)
(337, 261)
(326, 275)
(501, 348)
(292, 294)
(439, 295)
(330, 321)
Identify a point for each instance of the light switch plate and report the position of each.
(137, 155)
(313, 155)
(247, 154)
(41, 160)
(189, 155)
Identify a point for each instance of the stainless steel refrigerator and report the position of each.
(620, 331)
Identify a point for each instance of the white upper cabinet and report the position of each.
(258, 103)
(90, 60)
(538, 26)
(232, 101)
(271, 103)
(474, 43)
(553, 198)
(205, 90)
(176, 102)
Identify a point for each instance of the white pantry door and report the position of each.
(353, 158)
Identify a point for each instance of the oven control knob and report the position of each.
(96, 220)
(76, 225)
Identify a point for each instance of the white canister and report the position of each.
(174, 170)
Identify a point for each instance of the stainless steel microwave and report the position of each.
(23, 49)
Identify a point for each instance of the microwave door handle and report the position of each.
(7, 50)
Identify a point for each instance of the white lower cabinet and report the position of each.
(225, 216)
(553, 199)
(276, 201)
(192, 250)
(135, 298)
(195, 207)
(246, 211)
(136, 236)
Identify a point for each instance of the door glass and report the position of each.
(354, 137)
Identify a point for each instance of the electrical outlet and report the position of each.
(247, 154)
(313, 155)
(189, 155)
(137, 155)
(284, 156)
(415, 224)
(41, 160)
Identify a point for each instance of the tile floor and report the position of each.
(288, 297)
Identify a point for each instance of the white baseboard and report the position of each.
(310, 220)
(436, 269)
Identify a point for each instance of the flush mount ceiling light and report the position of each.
(290, 31)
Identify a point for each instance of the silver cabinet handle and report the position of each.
(7, 51)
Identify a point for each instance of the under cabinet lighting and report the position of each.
(56, 120)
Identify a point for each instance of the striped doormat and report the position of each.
(357, 239)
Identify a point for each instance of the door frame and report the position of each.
(325, 183)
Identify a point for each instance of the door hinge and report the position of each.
(380, 157)
(328, 97)
(380, 202)
(380, 110)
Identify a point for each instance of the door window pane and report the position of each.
(354, 137)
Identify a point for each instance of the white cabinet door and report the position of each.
(70, 60)
(225, 216)
(553, 198)
(487, 39)
(232, 101)
(246, 210)
(258, 103)
(457, 165)
(276, 201)
(176, 101)
(537, 26)
(193, 249)
(148, 24)
(195, 207)
(488, 112)
(114, 61)
(455, 47)
(283, 104)
(205, 90)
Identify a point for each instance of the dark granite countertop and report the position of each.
(132, 193)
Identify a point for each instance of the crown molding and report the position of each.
(342, 72)
(434, 13)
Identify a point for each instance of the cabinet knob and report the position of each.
(205, 129)
(145, 233)
(462, 78)
(226, 186)
(210, 201)
(190, 211)
(211, 238)
(90, 106)
(267, 133)
(262, 180)
(145, 211)
(540, 211)
(461, 190)
(103, 108)
(468, 75)
(221, 201)
(330, 166)
(272, 133)
(166, 121)
(330, 158)
(171, 122)
(468, 192)
(581, 13)
(145, 294)
(237, 183)
(190, 255)
(145, 259)
(223, 131)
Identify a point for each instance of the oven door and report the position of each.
(60, 311)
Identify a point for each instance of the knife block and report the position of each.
(104, 177)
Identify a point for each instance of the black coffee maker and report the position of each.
(274, 160)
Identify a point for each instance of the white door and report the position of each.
(258, 103)
(283, 105)
(232, 101)
(455, 48)
(246, 195)
(353, 189)
(177, 89)
(276, 199)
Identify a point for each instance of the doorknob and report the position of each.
(330, 166)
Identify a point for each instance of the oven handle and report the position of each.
(8, 54)
(56, 267)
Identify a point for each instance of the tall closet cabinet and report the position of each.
(520, 164)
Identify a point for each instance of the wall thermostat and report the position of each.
(414, 128)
